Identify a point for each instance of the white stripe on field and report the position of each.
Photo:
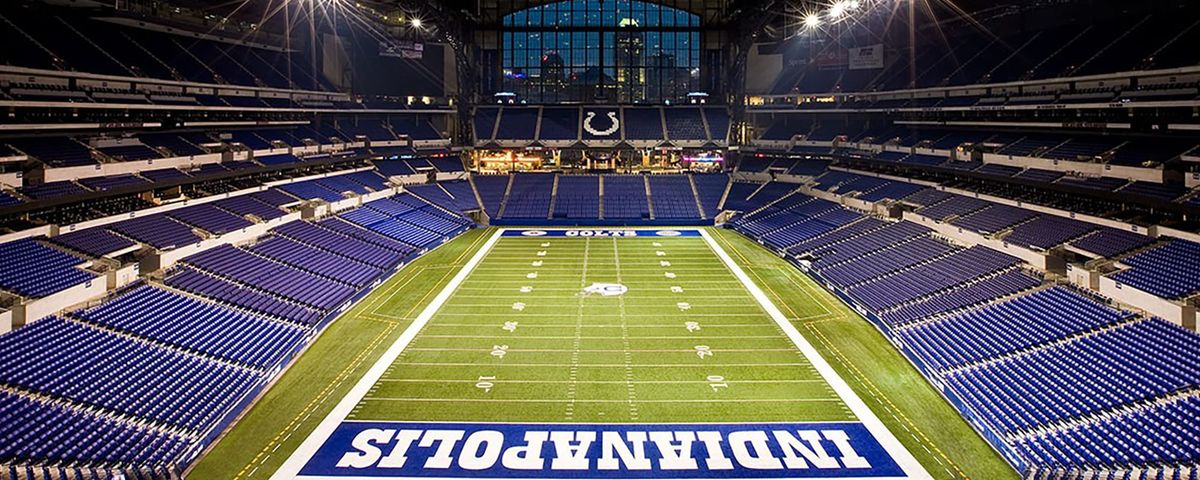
(299, 457)
(912, 468)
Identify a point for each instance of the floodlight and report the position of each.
(812, 20)
(837, 9)
(416, 23)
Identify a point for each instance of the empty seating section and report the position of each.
(282, 159)
(672, 197)
(311, 190)
(1039, 175)
(844, 233)
(739, 194)
(197, 326)
(529, 196)
(52, 190)
(1119, 366)
(718, 123)
(408, 220)
(273, 197)
(811, 168)
(100, 184)
(209, 217)
(994, 218)
(96, 242)
(864, 244)
(57, 357)
(931, 277)
(643, 124)
(56, 433)
(517, 123)
(955, 205)
(1048, 231)
(927, 197)
(342, 184)
(624, 197)
(241, 266)
(685, 124)
(462, 195)
(367, 236)
(578, 197)
(485, 122)
(175, 144)
(1164, 433)
(711, 188)
(393, 168)
(243, 296)
(1169, 271)
(887, 260)
(243, 205)
(447, 164)
(1109, 242)
(557, 124)
(30, 269)
(1007, 327)
(55, 151)
(313, 260)
(891, 191)
(1006, 283)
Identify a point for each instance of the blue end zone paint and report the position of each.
(560, 451)
(601, 232)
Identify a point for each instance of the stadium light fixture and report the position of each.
(838, 9)
(812, 20)
(415, 22)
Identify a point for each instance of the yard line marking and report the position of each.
(602, 382)
(630, 390)
(603, 350)
(607, 365)
(291, 467)
(573, 373)
(909, 464)
(565, 325)
(571, 337)
(634, 315)
(559, 400)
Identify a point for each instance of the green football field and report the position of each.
(598, 330)
(520, 341)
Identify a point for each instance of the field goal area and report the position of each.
(576, 353)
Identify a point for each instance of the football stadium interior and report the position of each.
(593, 239)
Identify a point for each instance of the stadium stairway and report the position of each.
(696, 193)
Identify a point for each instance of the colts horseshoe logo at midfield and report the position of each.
(587, 125)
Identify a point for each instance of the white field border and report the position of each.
(300, 457)
(912, 468)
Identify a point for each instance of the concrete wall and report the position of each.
(120, 168)
(46, 230)
(1173, 312)
(12, 179)
(1090, 169)
(1083, 278)
(38, 309)
(123, 276)
(6, 321)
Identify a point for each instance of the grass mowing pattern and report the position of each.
(931, 429)
(568, 357)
